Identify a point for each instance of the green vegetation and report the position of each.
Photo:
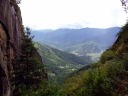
(60, 64)
(28, 67)
(107, 55)
(100, 80)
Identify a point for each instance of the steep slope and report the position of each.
(121, 44)
(59, 63)
(108, 77)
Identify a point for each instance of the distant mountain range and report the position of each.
(58, 63)
(68, 37)
(82, 42)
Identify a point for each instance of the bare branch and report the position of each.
(18, 1)
(125, 4)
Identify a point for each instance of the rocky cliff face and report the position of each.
(11, 33)
(10, 41)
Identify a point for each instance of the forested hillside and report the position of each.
(60, 64)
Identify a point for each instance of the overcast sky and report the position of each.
(53, 14)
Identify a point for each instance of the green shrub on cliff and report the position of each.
(107, 55)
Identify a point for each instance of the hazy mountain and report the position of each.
(59, 63)
(70, 37)
(82, 42)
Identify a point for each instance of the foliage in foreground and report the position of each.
(97, 81)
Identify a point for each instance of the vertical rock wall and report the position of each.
(11, 33)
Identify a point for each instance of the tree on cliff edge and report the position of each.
(125, 4)
(29, 70)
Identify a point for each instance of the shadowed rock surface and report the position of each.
(10, 41)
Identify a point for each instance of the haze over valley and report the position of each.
(81, 42)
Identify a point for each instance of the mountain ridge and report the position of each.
(79, 41)
(65, 37)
